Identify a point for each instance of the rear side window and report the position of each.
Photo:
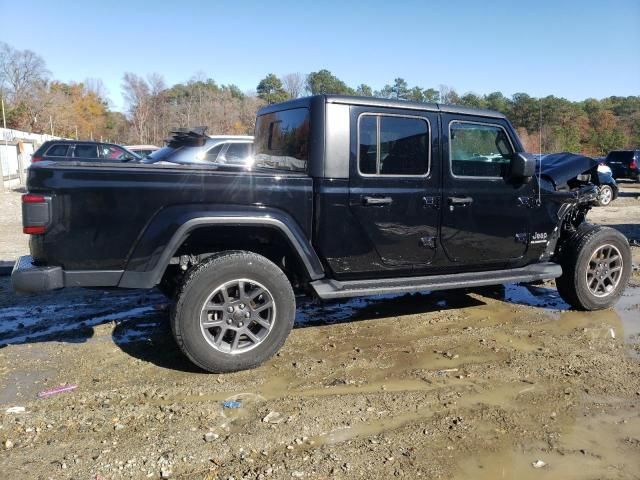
(58, 150)
(212, 154)
(393, 145)
(282, 140)
(84, 150)
(479, 150)
(237, 153)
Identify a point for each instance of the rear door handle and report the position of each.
(460, 201)
(373, 201)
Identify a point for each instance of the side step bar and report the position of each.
(330, 289)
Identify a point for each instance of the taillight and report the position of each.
(633, 164)
(35, 158)
(34, 230)
(35, 213)
(33, 198)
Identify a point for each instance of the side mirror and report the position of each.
(523, 166)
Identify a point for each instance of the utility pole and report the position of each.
(76, 132)
(51, 124)
(4, 134)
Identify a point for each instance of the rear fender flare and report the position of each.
(146, 264)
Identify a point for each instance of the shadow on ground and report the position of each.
(141, 317)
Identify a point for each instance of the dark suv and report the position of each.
(624, 164)
(58, 150)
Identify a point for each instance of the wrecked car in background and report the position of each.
(344, 197)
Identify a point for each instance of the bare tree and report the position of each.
(20, 72)
(137, 94)
(97, 87)
(293, 84)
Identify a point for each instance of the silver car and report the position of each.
(206, 150)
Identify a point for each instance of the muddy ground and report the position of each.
(476, 384)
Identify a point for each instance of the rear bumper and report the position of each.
(29, 278)
(26, 277)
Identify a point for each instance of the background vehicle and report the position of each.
(624, 164)
(192, 146)
(60, 150)
(344, 197)
(608, 186)
(142, 150)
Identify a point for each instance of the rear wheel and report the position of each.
(595, 268)
(234, 311)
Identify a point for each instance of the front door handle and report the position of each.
(373, 201)
(460, 201)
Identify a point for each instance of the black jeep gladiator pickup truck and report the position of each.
(344, 197)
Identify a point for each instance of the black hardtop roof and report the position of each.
(381, 102)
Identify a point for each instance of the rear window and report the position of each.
(621, 156)
(58, 150)
(282, 140)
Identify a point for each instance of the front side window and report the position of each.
(393, 145)
(282, 140)
(85, 151)
(112, 152)
(479, 150)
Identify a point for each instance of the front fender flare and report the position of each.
(171, 227)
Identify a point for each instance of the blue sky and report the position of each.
(573, 49)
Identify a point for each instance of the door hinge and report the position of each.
(428, 242)
(528, 202)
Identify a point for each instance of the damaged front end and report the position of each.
(568, 188)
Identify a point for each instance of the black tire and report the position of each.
(605, 196)
(198, 285)
(572, 285)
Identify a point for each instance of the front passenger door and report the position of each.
(483, 220)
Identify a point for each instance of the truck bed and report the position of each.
(100, 211)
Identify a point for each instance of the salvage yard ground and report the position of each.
(478, 384)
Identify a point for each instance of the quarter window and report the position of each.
(479, 150)
(393, 145)
(282, 140)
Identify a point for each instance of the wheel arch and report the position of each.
(148, 261)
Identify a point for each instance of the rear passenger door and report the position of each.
(85, 151)
(394, 185)
(484, 221)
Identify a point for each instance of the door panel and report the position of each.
(483, 221)
(394, 187)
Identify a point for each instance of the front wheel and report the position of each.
(605, 197)
(595, 268)
(234, 311)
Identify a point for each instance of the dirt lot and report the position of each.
(465, 384)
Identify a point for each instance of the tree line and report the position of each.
(36, 102)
